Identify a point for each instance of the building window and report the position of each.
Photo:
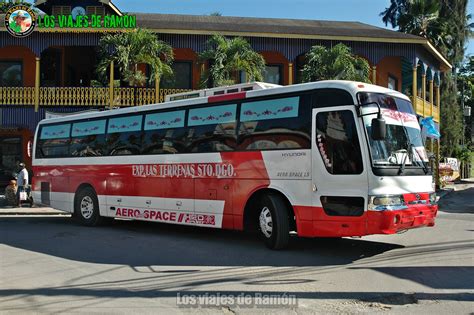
(95, 10)
(61, 10)
(182, 76)
(392, 82)
(11, 73)
(273, 74)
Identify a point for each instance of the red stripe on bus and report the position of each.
(226, 97)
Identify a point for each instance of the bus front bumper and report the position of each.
(391, 222)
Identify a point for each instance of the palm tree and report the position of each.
(458, 29)
(336, 63)
(129, 49)
(227, 58)
(443, 22)
(418, 17)
(446, 24)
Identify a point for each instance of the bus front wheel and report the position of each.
(273, 221)
(86, 207)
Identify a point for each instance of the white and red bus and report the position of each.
(323, 159)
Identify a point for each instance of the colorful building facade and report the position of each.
(53, 69)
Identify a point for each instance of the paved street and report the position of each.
(50, 264)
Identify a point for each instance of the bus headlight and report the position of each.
(433, 198)
(382, 203)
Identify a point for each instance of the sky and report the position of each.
(366, 11)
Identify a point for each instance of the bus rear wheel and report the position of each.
(86, 208)
(273, 221)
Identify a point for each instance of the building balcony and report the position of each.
(426, 109)
(83, 96)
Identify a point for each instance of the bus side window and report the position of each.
(280, 123)
(124, 135)
(53, 141)
(88, 138)
(331, 97)
(338, 143)
(212, 129)
(164, 133)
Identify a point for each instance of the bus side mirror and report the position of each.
(379, 129)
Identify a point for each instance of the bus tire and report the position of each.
(273, 221)
(86, 208)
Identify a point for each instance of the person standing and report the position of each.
(22, 182)
(11, 194)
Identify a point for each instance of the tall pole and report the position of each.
(290, 73)
(157, 88)
(111, 85)
(423, 92)
(414, 88)
(37, 84)
(374, 74)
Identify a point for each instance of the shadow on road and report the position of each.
(461, 201)
(390, 298)
(167, 259)
(145, 244)
(439, 277)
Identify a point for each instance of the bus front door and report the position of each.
(339, 173)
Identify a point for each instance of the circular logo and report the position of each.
(20, 21)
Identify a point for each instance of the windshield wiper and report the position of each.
(411, 148)
(402, 166)
(425, 166)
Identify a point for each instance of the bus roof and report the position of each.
(350, 86)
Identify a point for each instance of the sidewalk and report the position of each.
(4, 210)
(457, 186)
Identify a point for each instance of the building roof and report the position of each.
(40, 3)
(271, 27)
(266, 25)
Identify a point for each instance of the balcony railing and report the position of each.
(83, 96)
(426, 109)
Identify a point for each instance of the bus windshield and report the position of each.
(403, 144)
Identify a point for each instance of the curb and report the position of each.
(32, 214)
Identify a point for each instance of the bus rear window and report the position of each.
(55, 131)
(54, 141)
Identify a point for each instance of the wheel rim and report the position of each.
(266, 222)
(87, 207)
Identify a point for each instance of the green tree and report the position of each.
(446, 24)
(451, 117)
(336, 63)
(227, 57)
(456, 31)
(417, 17)
(129, 49)
(7, 4)
(443, 22)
